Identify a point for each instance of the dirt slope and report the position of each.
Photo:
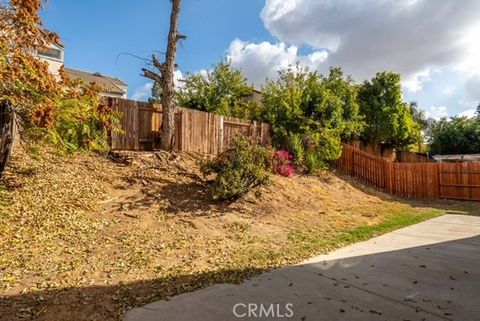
(85, 237)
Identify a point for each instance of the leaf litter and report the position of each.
(88, 237)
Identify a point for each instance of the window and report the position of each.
(51, 53)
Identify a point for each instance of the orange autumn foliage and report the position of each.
(42, 103)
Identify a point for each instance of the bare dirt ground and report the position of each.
(86, 237)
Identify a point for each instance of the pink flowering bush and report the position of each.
(285, 170)
(282, 163)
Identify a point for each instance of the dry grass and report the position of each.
(84, 238)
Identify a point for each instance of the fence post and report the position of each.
(439, 179)
(353, 169)
(136, 124)
(221, 134)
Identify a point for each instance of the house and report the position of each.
(256, 96)
(111, 87)
(54, 56)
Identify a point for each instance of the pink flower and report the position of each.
(283, 155)
(285, 170)
(282, 161)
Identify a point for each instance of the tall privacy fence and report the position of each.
(195, 131)
(460, 181)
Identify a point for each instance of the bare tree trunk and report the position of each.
(165, 78)
(7, 134)
(168, 88)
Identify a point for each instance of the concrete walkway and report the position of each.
(429, 271)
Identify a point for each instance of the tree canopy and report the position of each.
(25, 82)
(156, 95)
(222, 90)
(389, 119)
(321, 110)
(458, 135)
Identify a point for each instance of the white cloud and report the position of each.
(177, 79)
(143, 92)
(448, 90)
(414, 83)
(470, 63)
(365, 36)
(470, 113)
(412, 37)
(437, 112)
(264, 60)
(472, 88)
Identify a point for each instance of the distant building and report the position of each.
(111, 86)
(256, 96)
(475, 158)
(54, 56)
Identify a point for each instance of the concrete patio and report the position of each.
(429, 271)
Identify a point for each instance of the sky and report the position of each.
(433, 44)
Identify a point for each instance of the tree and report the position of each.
(320, 110)
(478, 111)
(26, 87)
(345, 89)
(458, 135)
(156, 96)
(389, 120)
(164, 76)
(223, 91)
(65, 113)
(418, 115)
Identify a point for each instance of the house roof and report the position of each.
(110, 84)
(57, 43)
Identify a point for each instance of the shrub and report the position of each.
(79, 127)
(285, 170)
(295, 146)
(315, 150)
(312, 162)
(328, 146)
(239, 169)
(282, 163)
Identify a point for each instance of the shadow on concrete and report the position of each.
(437, 281)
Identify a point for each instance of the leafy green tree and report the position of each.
(223, 91)
(390, 122)
(323, 110)
(458, 135)
(156, 96)
(419, 115)
(346, 90)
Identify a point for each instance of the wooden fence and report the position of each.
(460, 181)
(409, 157)
(195, 131)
